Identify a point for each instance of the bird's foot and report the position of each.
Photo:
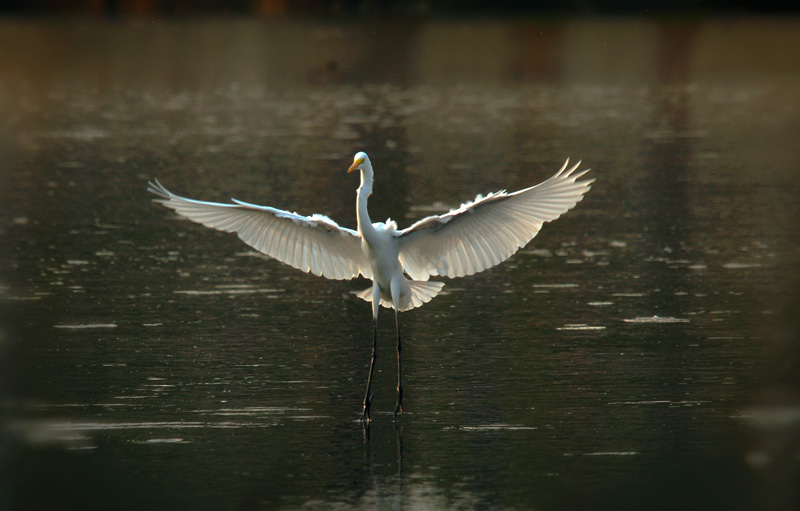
(398, 408)
(365, 414)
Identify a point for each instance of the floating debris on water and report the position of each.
(229, 289)
(541, 252)
(62, 429)
(659, 402)
(251, 253)
(580, 326)
(655, 319)
(87, 325)
(740, 266)
(162, 441)
(497, 427)
(594, 253)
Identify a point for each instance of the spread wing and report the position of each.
(489, 230)
(313, 244)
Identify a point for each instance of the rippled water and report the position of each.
(620, 361)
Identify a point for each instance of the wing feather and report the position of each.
(313, 244)
(488, 230)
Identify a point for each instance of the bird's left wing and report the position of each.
(313, 244)
(489, 230)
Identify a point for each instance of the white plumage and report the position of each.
(487, 231)
(476, 236)
(313, 244)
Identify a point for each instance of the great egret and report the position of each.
(476, 236)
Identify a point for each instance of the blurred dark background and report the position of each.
(420, 8)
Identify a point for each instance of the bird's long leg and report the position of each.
(376, 300)
(395, 289)
(399, 406)
(368, 395)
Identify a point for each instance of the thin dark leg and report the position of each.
(399, 407)
(368, 395)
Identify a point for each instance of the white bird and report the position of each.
(476, 236)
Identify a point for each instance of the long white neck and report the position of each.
(364, 191)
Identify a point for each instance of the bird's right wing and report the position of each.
(313, 244)
(489, 230)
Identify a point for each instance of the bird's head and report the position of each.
(360, 162)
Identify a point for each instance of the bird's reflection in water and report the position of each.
(389, 484)
(377, 452)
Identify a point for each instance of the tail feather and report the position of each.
(421, 292)
(365, 295)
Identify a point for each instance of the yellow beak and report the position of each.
(355, 165)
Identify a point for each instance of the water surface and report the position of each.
(620, 361)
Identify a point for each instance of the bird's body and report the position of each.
(379, 242)
(476, 236)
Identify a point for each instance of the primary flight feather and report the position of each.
(467, 240)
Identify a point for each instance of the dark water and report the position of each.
(638, 354)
